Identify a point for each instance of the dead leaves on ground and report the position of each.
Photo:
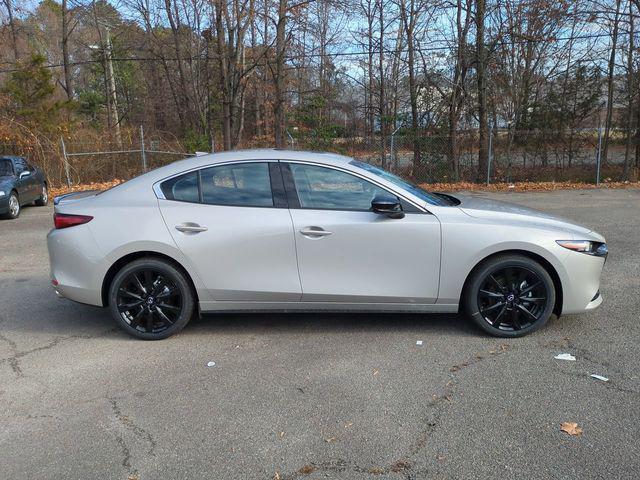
(524, 186)
(571, 428)
(435, 187)
(56, 191)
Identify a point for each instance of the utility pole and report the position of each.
(113, 99)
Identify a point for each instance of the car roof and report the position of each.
(262, 154)
(200, 161)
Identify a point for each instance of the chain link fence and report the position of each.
(531, 156)
(428, 158)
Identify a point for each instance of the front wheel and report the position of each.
(13, 211)
(151, 299)
(509, 296)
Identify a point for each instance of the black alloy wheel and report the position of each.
(151, 299)
(510, 296)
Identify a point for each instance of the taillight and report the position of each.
(64, 220)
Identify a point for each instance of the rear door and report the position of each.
(232, 221)
(347, 253)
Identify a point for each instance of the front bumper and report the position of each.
(4, 204)
(581, 282)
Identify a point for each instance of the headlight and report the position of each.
(597, 249)
(2, 194)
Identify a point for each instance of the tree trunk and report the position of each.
(610, 85)
(182, 94)
(278, 108)
(630, 88)
(481, 59)
(12, 28)
(381, 108)
(409, 22)
(68, 86)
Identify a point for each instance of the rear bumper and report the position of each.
(77, 267)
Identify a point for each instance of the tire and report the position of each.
(509, 295)
(43, 199)
(151, 299)
(14, 206)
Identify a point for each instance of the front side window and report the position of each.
(21, 165)
(182, 189)
(428, 197)
(240, 184)
(326, 188)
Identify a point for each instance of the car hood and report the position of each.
(486, 208)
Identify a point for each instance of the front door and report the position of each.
(25, 182)
(238, 235)
(347, 253)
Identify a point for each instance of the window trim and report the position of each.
(408, 205)
(294, 202)
(277, 189)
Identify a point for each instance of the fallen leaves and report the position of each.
(571, 428)
(307, 469)
(57, 191)
(434, 187)
(523, 186)
(400, 466)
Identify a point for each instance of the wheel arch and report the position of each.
(130, 257)
(557, 283)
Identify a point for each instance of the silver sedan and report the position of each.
(272, 230)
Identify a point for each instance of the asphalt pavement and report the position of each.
(315, 396)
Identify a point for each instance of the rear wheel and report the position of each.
(43, 199)
(509, 296)
(151, 299)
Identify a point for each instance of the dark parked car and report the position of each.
(20, 184)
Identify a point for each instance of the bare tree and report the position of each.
(481, 73)
(610, 83)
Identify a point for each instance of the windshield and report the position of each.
(6, 169)
(428, 197)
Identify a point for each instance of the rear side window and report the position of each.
(6, 168)
(241, 184)
(183, 188)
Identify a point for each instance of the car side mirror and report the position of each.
(24, 173)
(387, 205)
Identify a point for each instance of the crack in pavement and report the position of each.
(14, 359)
(129, 425)
(403, 466)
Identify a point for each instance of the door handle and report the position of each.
(189, 227)
(315, 232)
